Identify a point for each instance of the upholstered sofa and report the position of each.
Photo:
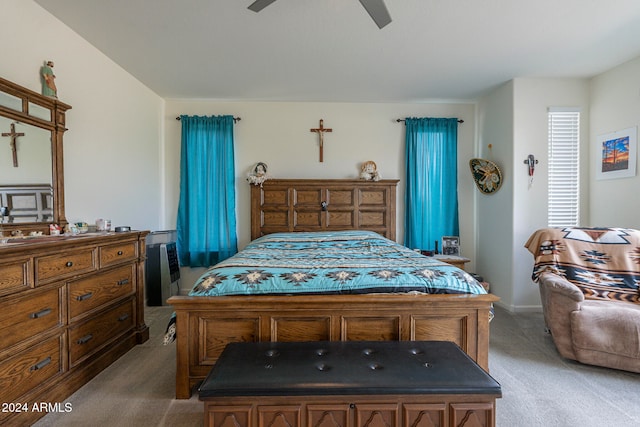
(588, 280)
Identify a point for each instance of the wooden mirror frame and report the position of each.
(56, 125)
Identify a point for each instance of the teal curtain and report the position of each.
(206, 210)
(431, 197)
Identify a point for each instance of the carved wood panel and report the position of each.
(428, 410)
(341, 196)
(370, 328)
(279, 416)
(213, 334)
(301, 328)
(377, 415)
(424, 415)
(328, 415)
(445, 327)
(228, 416)
(472, 415)
(287, 205)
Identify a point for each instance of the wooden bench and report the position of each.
(350, 383)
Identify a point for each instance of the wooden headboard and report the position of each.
(287, 205)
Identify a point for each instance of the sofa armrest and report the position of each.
(558, 285)
(560, 298)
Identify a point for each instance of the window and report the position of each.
(564, 167)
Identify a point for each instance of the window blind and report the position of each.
(564, 168)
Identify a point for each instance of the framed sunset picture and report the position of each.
(618, 153)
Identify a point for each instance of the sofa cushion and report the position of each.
(607, 333)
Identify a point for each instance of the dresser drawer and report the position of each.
(99, 289)
(30, 369)
(15, 275)
(118, 253)
(89, 336)
(22, 318)
(65, 264)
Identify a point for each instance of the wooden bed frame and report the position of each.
(205, 325)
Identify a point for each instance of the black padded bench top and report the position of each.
(346, 368)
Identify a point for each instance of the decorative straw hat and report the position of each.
(486, 175)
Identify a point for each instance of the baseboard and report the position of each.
(520, 308)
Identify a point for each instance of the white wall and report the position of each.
(513, 118)
(278, 133)
(112, 147)
(532, 99)
(494, 215)
(615, 105)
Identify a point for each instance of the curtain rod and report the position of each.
(402, 120)
(235, 119)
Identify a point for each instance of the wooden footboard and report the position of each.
(205, 325)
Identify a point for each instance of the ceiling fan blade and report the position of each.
(258, 5)
(378, 11)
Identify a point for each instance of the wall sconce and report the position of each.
(531, 163)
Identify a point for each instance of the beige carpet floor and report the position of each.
(539, 387)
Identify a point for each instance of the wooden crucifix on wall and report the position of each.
(13, 135)
(320, 131)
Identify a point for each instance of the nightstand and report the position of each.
(456, 261)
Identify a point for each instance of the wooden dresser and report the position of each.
(284, 205)
(70, 306)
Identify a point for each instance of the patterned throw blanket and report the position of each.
(344, 262)
(603, 262)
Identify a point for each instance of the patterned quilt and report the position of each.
(344, 262)
(603, 262)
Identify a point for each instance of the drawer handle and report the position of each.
(120, 253)
(85, 296)
(40, 364)
(85, 339)
(69, 264)
(123, 317)
(41, 313)
(123, 282)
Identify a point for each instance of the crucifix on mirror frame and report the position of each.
(13, 135)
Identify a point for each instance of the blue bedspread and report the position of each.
(342, 262)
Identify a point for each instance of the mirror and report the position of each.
(31, 166)
(32, 154)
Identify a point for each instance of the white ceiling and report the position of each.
(331, 50)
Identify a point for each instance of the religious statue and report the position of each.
(258, 174)
(48, 80)
(369, 171)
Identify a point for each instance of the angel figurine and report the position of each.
(258, 174)
(369, 171)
